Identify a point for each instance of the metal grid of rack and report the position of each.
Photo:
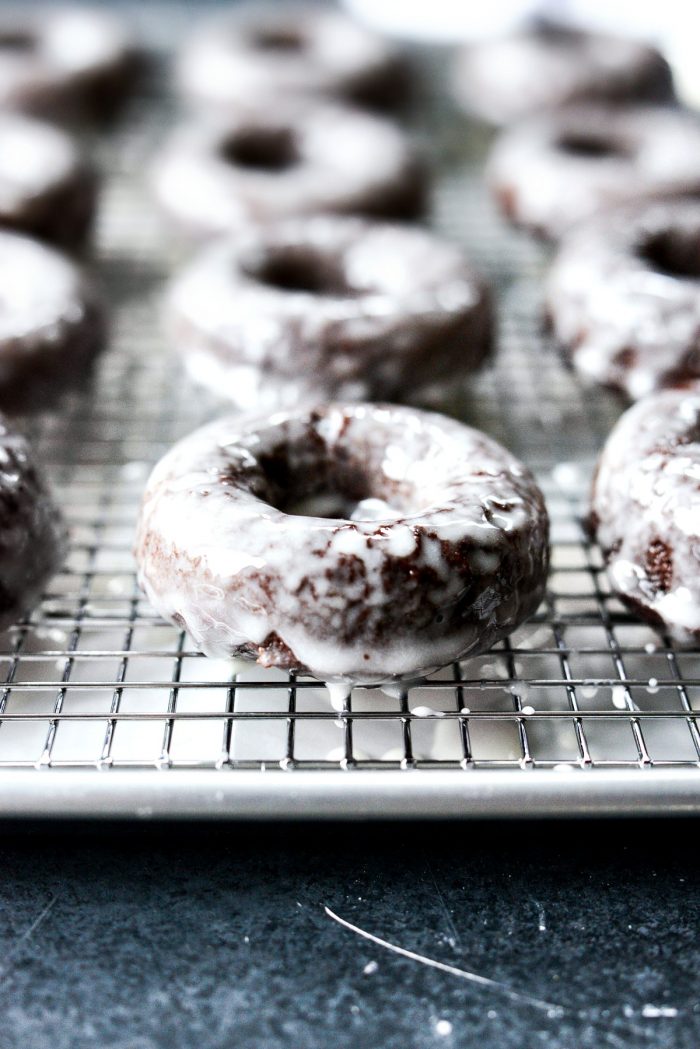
(96, 683)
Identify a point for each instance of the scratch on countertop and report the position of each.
(28, 932)
(454, 938)
(550, 1008)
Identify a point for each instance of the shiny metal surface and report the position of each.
(370, 795)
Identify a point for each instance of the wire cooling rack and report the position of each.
(107, 709)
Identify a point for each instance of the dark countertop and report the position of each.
(179, 936)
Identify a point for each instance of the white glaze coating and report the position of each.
(625, 321)
(46, 187)
(646, 509)
(50, 318)
(547, 189)
(402, 308)
(40, 290)
(349, 597)
(346, 161)
(226, 63)
(69, 50)
(32, 535)
(34, 159)
(507, 78)
(84, 41)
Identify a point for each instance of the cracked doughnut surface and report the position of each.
(293, 158)
(51, 323)
(645, 510)
(330, 307)
(623, 296)
(63, 62)
(553, 171)
(547, 65)
(32, 535)
(271, 50)
(47, 189)
(359, 542)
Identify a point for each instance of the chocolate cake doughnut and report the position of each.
(623, 296)
(553, 171)
(51, 323)
(32, 535)
(47, 189)
(645, 510)
(264, 50)
(358, 542)
(291, 159)
(548, 65)
(307, 310)
(63, 63)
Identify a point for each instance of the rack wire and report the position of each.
(119, 714)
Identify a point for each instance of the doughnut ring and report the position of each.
(360, 542)
(268, 50)
(64, 63)
(32, 535)
(551, 172)
(548, 65)
(329, 307)
(645, 510)
(623, 296)
(51, 323)
(293, 159)
(47, 189)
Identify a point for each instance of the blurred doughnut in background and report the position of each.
(64, 63)
(264, 50)
(672, 27)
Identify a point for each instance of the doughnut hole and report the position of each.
(299, 268)
(589, 145)
(557, 34)
(282, 38)
(306, 478)
(16, 41)
(673, 252)
(269, 149)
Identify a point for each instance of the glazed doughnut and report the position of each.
(51, 323)
(64, 62)
(548, 65)
(553, 171)
(645, 510)
(290, 159)
(328, 307)
(32, 535)
(46, 188)
(358, 542)
(272, 50)
(623, 296)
